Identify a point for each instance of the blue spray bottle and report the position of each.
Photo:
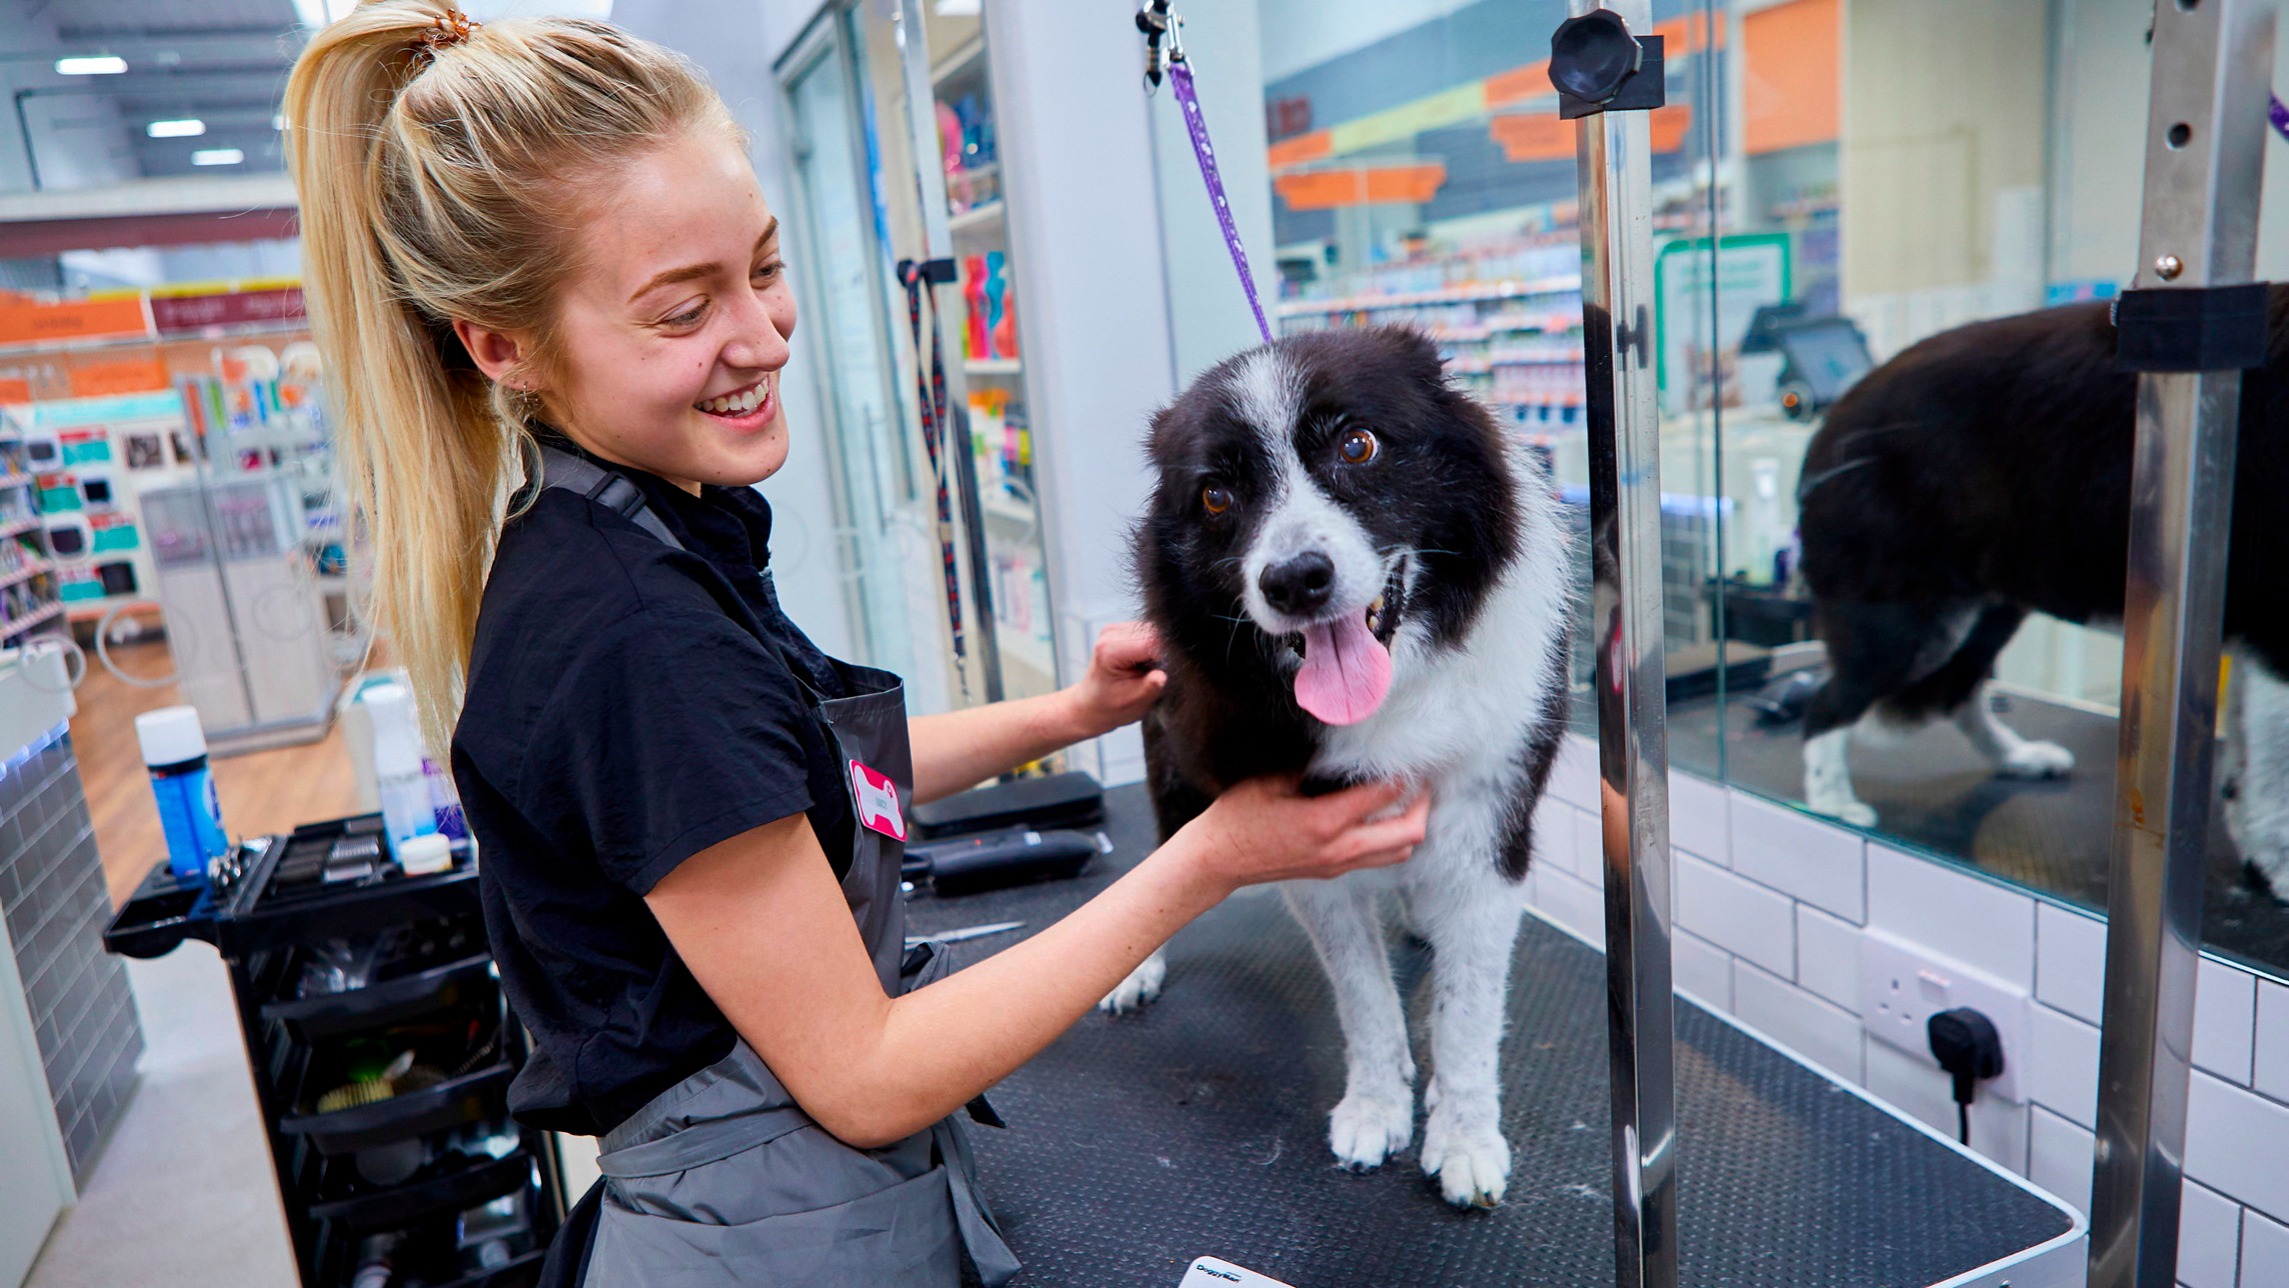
(175, 751)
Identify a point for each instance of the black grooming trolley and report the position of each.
(345, 972)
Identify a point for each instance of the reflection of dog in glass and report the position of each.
(1984, 474)
(1357, 575)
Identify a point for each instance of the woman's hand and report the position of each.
(1265, 829)
(1123, 682)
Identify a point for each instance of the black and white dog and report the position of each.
(1984, 474)
(1356, 575)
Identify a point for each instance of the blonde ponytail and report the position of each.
(438, 182)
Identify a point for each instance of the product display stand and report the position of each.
(382, 1054)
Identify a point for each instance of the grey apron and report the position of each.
(722, 1179)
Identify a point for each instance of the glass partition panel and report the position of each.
(1923, 206)
(1913, 553)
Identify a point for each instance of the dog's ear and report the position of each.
(1416, 353)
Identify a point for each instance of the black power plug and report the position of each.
(1965, 1043)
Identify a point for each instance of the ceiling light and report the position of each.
(217, 156)
(97, 65)
(188, 128)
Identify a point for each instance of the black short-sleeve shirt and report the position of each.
(628, 705)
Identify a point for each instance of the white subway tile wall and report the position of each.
(1743, 918)
(1957, 915)
(2059, 1156)
(1821, 1032)
(1554, 834)
(2225, 1020)
(1589, 848)
(2070, 961)
(1702, 971)
(1828, 956)
(2239, 1143)
(2264, 1251)
(1574, 775)
(1699, 821)
(2063, 1067)
(2209, 1239)
(1768, 931)
(2272, 1041)
(1805, 858)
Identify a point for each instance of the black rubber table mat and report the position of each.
(1199, 1128)
(1933, 792)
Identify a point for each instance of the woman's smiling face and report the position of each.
(672, 331)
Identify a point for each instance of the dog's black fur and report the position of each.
(1986, 470)
(1439, 487)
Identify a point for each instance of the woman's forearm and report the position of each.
(960, 749)
(940, 1046)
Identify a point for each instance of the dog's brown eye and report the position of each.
(1358, 447)
(1217, 500)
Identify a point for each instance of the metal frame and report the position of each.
(1615, 169)
(2204, 161)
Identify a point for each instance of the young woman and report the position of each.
(555, 309)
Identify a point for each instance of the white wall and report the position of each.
(735, 41)
(1208, 314)
(1300, 33)
(1085, 228)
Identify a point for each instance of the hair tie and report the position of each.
(452, 27)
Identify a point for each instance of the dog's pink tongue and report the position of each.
(1345, 672)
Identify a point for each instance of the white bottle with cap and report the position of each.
(397, 765)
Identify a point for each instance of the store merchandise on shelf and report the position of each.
(989, 333)
(1002, 442)
(29, 606)
(1506, 316)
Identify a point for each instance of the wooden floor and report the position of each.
(260, 792)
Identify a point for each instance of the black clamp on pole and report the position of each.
(2190, 328)
(1598, 66)
(935, 272)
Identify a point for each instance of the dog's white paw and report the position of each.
(1854, 812)
(1364, 1130)
(2036, 760)
(1142, 986)
(1470, 1160)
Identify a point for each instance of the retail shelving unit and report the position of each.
(876, 189)
(29, 605)
(1513, 340)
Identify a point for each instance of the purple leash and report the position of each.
(1188, 98)
(2277, 114)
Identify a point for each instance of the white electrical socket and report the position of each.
(1902, 985)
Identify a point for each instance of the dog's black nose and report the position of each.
(1300, 585)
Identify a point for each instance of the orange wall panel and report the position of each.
(1296, 151)
(1328, 189)
(1794, 56)
(118, 376)
(1541, 136)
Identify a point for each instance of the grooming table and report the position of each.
(1199, 1127)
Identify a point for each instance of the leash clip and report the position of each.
(1159, 23)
